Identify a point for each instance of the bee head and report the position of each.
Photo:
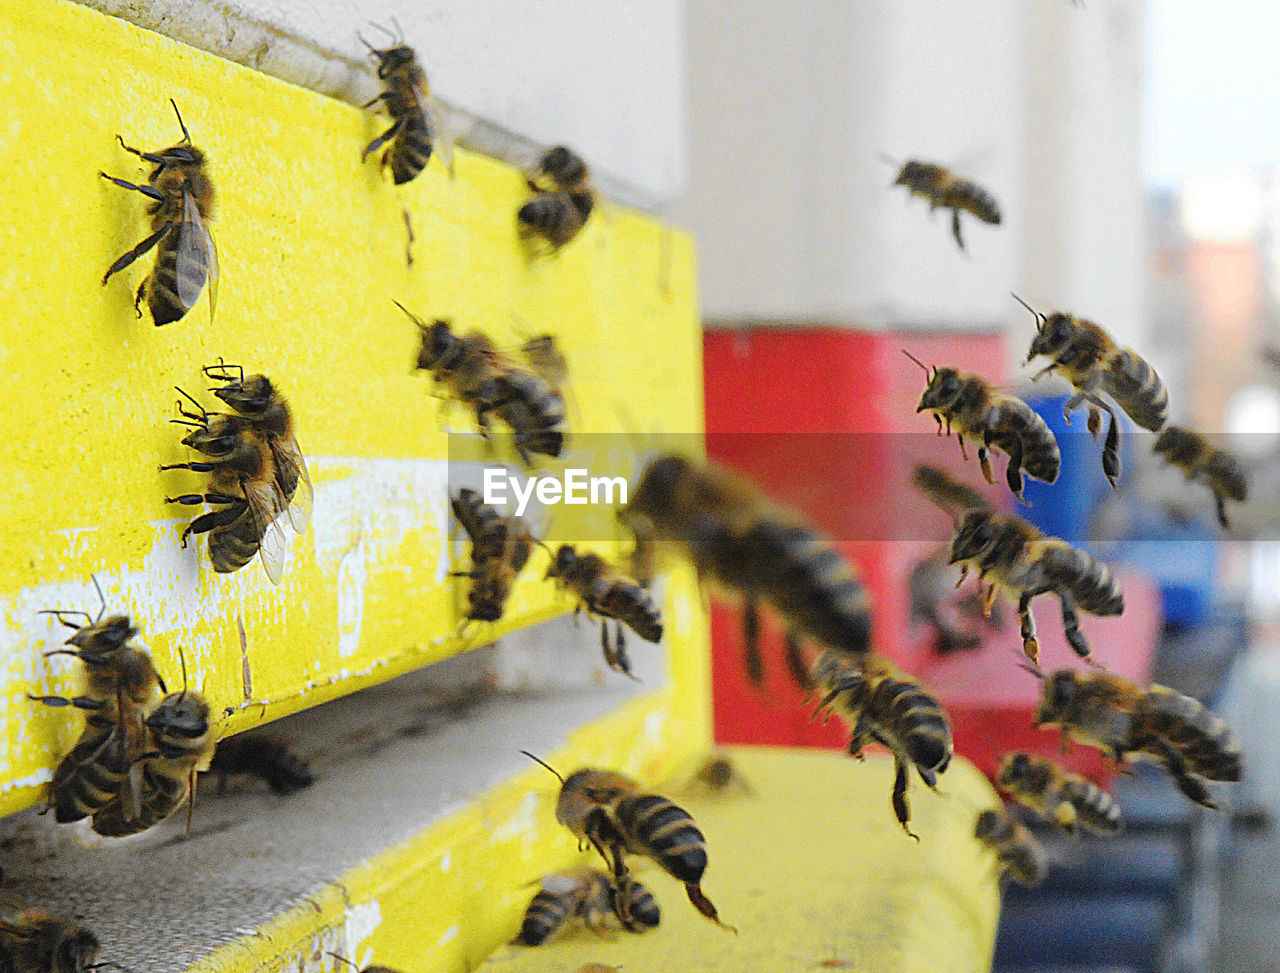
(1013, 770)
(1053, 334)
(249, 396)
(564, 165)
(180, 718)
(107, 636)
(945, 386)
(564, 562)
(438, 340)
(657, 486)
(987, 824)
(911, 173)
(1058, 695)
(392, 58)
(974, 536)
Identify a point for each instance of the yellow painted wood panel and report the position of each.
(312, 252)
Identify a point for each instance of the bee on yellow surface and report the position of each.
(937, 184)
(585, 895)
(500, 548)
(735, 536)
(609, 810)
(1020, 562)
(720, 774)
(1060, 797)
(1018, 853)
(417, 127)
(1155, 724)
(1201, 460)
(883, 705)
(563, 198)
(560, 168)
(32, 941)
(477, 374)
(181, 195)
(1087, 357)
(975, 409)
(606, 593)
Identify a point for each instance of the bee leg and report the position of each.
(151, 157)
(79, 702)
(1190, 785)
(1064, 742)
(382, 139)
(1111, 465)
(1047, 370)
(374, 100)
(938, 419)
(900, 807)
(793, 646)
(752, 658)
(207, 522)
(955, 228)
(960, 440)
(984, 460)
(1013, 472)
(198, 467)
(964, 574)
(129, 257)
(948, 421)
(1222, 510)
(1094, 423)
(988, 601)
(1071, 625)
(1030, 645)
(149, 191)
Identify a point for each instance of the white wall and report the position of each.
(604, 76)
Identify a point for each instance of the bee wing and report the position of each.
(559, 884)
(197, 260)
(292, 468)
(266, 506)
(441, 133)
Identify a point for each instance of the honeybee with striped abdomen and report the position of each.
(975, 409)
(563, 197)
(1060, 797)
(587, 895)
(883, 705)
(1201, 460)
(32, 941)
(609, 810)
(1087, 357)
(1018, 853)
(1155, 724)
(607, 593)
(937, 184)
(181, 195)
(735, 536)
(1020, 562)
(417, 127)
(500, 548)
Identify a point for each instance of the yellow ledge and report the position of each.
(312, 248)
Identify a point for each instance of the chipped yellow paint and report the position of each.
(312, 253)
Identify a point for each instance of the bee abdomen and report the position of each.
(972, 198)
(546, 915)
(534, 411)
(1095, 808)
(90, 775)
(162, 793)
(919, 722)
(162, 284)
(1139, 390)
(1041, 457)
(640, 905)
(1227, 475)
(554, 215)
(656, 827)
(628, 602)
(1090, 582)
(1208, 745)
(411, 150)
(233, 546)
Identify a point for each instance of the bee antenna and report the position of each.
(543, 544)
(916, 360)
(360, 37)
(1038, 316)
(182, 661)
(544, 763)
(1031, 667)
(186, 136)
(102, 600)
(343, 959)
(412, 317)
(399, 30)
(886, 157)
(377, 26)
(187, 395)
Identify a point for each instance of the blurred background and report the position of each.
(1134, 150)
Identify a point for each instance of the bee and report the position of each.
(1200, 460)
(967, 402)
(182, 745)
(546, 360)
(477, 374)
(936, 184)
(1093, 363)
(1019, 561)
(266, 756)
(1060, 797)
(417, 127)
(734, 535)
(32, 941)
(243, 484)
(500, 548)
(1155, 724)
(560, 168)
(884, 705)
(946, 491)
(563, 198)
(611, 812)
(607, 593)
(181, 195)
(719, 775)
(588, 895)
(1018, 854)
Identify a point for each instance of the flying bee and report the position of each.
(734, 535)
(417, 127)
(936, 184)
(265, 756)
(32, 941)
(182, 745)
(1088, 358)
(1020, 562)
(719, 774)
(500, 548)
(478, 375)
(980, 412)
(1060, 797)
(1200, 460)
(611, 812)
(946, 491)
(563, 198)
(883, 705)
(181, 195)
(587, 895)
(243, 484)
(1155, 724)
(1018, 854)
(608, 594)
